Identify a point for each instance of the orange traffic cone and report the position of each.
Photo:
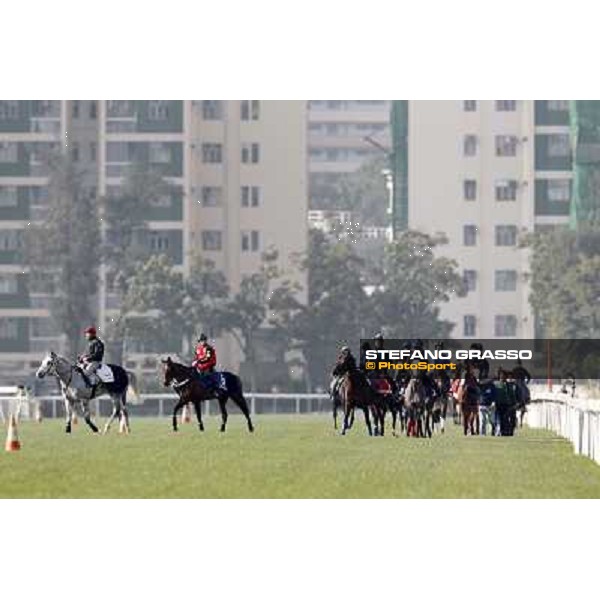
(12, 439)
(185, 414)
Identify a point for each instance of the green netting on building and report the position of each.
(585, 135)
(399, 125)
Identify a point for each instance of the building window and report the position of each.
(8, 283)
(93, 109)
(558, 105)
(10, 239)
(250, 110)
(43, 327)
(159, 153)
(559, 190)
(506, 145)
(470, 280)
(8, 196)
(161, 201)
(559, 144)
(469, 235)
(8, 152)
(158, 110)
(212, 153)
(506, 235)
(505, 280)
(93, 151)
(505, 326)
(9, 110)
(212, 110)
(212, 240)
(470, 145)
(159, 242)
(75, 109)
(250, 241)
(75, 152)
(506, 189)
(210, 196)
(470, 189)
(8, 329)
(250, 196)
(506, 105)
(469, 325)
(250, 153)
(120, 108)
(469, 105)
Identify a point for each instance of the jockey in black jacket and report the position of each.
(92, 359)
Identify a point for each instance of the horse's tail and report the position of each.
(233, 384)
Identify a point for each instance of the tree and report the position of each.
(246, 312)
(337, 310)
(564, 281)
(61, 252)
(362, 191)
(125, 217)
(206, 294)
(152, 308)
(414, 285)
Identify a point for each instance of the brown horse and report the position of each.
(190, 388)
(355, 392)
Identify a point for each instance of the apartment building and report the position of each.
(485, 173)
(29, 132)
(343, 135)
(238, 179)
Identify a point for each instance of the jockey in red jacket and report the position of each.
(206, 357)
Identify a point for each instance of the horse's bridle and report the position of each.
(52, 367)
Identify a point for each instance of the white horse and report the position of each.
(77, 393)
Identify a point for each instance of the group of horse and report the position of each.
(417, 404)
(190, 389)
(420, 402)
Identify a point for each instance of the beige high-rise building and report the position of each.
(485, 173)
(239, 176)
(248, 190)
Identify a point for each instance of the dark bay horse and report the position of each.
(355, 392)
(189, 388)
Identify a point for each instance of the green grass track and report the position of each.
(289, 457)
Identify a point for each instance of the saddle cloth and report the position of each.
(381, 386)
(105, 374)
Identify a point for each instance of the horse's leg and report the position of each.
(87, 417)
(373, 411)
(351, 422)
(368, 420)
(223, 409)
(178, 406)
(382, 410)
(113, 415)
(68, 415)
(335, 414)
(347, 410)
(198, 409)
(241, 403)
(125, 412)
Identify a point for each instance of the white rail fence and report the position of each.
(161, 405)
(575, 419)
